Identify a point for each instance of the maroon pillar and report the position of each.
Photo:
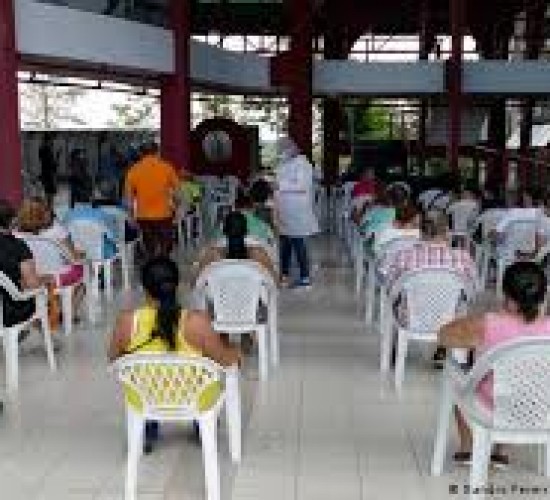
(175, 100)
(455, 84)
(300, 126)
(11, 178)
(427, 42)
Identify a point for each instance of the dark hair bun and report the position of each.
(525, 284)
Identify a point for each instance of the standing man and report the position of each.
(294, 206)
(151, 189)
(48, 167)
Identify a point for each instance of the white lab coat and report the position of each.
(295, 198)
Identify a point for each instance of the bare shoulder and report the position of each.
(196, 319)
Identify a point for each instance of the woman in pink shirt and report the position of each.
(520, 315)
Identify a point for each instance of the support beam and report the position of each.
(534, 37)
(336, 47)
(175, 98)
(427, 43)
(454, 76)
(11, 177)
(300, 125)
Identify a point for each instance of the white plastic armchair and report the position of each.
(270, 247)
(375, 281)
(127, 249)
(168, 387)
(88, 236)
(520, 370)
(51, 260)
(431, 298)
(235, 288)
(519, 236)
(463, 215)
(10, 334)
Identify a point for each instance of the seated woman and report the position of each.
(235, 229)
(524, 288)
(17, 263)
(36, 219)
(161, 325)
(406, 223)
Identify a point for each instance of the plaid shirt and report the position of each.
(427, 256)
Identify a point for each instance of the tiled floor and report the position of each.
(322, 428)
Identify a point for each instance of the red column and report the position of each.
(11, 179)
(300, 126)
(175, 100)
(455, 83)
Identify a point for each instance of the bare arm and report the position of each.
(199, 333)
(122, 335)
(260, 256)
(30, 278)
(462, 333)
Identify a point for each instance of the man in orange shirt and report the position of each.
(151, 189)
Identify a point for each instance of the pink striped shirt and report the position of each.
(427, 256)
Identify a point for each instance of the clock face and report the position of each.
(217, 146)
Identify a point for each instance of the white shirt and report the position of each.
(295, 199)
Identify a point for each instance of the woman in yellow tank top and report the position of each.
(161, 325)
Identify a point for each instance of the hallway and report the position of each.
(322, 428)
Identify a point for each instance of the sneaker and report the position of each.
(303, 283)
(463, 458)
(499, 461)
(439, 358)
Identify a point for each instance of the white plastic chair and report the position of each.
(463, 215)
(172, 388)
(235, 288)
(10, 335)
(521, 412)
(88, 236)
(519, 237)
(127, 250)
(374, 280)
(433, 297)
(51, 260)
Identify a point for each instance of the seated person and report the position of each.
(378, 215)
(261, 194)
(235, 229)
(521, 314)
(405, 223)
(95, 214)
(433, 251)
(17, 263)
(162, 325)
(35, 218)
(256, 227)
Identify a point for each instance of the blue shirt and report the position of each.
(376, 219)
(87, 212)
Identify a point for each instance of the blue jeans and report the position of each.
(288, 243)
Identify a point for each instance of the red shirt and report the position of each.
(365, 187)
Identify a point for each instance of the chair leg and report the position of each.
(233, 413)
(263, 355)
(108, 279)
(42, 310)
(480, 462)
(125, 265)
(359, 272)
(443, 426)
(402, 347)
(209, 441)
(274, 330)
(67, 308)
(135, 431)
(386, 338)
(93, 292)
(371, 287)
(11, 352)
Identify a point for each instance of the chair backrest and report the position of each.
(463, 215)
(520, 235)
(49, 255)
(234, 288)
(119, 217)
(520, 372)
(434, 297)
(270, 247)
(391, 247)
(88, 237)
(170, 386)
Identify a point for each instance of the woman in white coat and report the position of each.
(295, 210)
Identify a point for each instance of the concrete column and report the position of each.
(300, 124)
(454, 83)
(175, 100)
(11, 178)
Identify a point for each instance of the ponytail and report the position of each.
(236, 248)
(168, 315)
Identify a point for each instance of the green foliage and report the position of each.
(371, 122)
(135, 112)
